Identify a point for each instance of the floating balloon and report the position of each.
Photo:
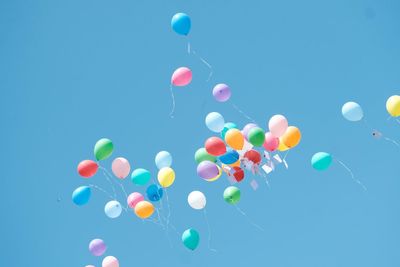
(253, 156)
(215, 122)
(256, 136)
(207, 170)
(140, 176)
(222, 92)
(103, 149)
(227, 127)
(197, 200)
(282, 147)
(202, 155)
(352, 111)
(97, 247)
(110, 261)
(134, 199)
(234, 138)
(163, 159)
(144, 209)
(215, 146)
(236, 164)
(81, 195)
(321, 161)
(292, 137)
(238, 174)
(230, 157)
(216, 177)
(277, 125)
(181, 76)
(154, 192)
(181, 23)
(121, 168)
(87, 168)
(166, 177)
(271, 142)
(247, 129)
(191, 239)
(113, 209)
(393, 105)
(232, 195)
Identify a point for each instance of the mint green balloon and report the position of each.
(191, 239)
(140, 176)
(256, 136)
(202, 155)
(103, 149)
(232, 195)
(321, 161)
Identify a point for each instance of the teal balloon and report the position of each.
(191, 239)
(140, 176)
(227, 127)
(181, 23)
(81, 195)
(321, 161)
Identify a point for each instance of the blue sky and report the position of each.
(76, 71)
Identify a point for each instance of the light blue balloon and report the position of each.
(154, 192)
(352, 111)
(81, 195)
(321, 161)
(191, 239)
(163, 159)
(215, 122)
(140, 176)
(227, 127)
(181, 23)
(230, 157)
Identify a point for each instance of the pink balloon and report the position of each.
(110, 261)
(121, 168)
(277, 125)
(271, 142)
(181, 76)
(134, 198)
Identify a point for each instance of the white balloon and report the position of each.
(215, 122)
(352, 111)
(113, 209)
(197, 200)
(163, 159)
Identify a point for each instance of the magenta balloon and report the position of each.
(134, 198)
(271, 142)
(97, 247)
(222, 92)
(181, 76)
(247, 129)
(207, 170)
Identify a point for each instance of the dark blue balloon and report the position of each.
(81, 195)
(230, 157)
(154, 192)
(181, 23)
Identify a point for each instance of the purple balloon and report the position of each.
(247, 129)
(207, 170)
(97, 247)
(222, 92)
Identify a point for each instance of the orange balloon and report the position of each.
(234, 138)
(236, 164)
(282, 147)
(144, 209)
(292, 137)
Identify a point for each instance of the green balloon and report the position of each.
(140, 176)
(202, 155)
(232, 195)
(103, 149)
(321, 161)
(191, 239)
(256, 136)
(227, 127)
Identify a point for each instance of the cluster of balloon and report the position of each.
(97, 247)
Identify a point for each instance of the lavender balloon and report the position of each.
(247, 129)
(97, 247)
(207, 170)
(222, 92)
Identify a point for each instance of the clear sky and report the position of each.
(72, 72)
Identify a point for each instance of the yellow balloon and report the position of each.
(282, 146)
(234, 138)
(144, 209)
(236, 164)
(216, 177)
(166, 177)
(292, 137)
(393, 105)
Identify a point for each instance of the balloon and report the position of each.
(144, 209)
(352, 111)
(89, 266)
(271, 142)
(222, 92)
(163, 159)
(234, 138)
(232, 195)
(181, 23)
(191, 239)
(393, 105)
(140, 176)
(247, 129)
(113, 209)
(202, 155)
(166, 176)
(81, 195)
(197, 200)
(292, 137)
(97, 247)
(236, 164)
(207, 170)
(181, 76)
(282, 147)
(121, 168)
(321, 161)
(238, 174)
(215, 146)
(216, 177)
(110, 261)
(230, 157)
(215, 122)
(277, 125)
(256, 136)
(253, 156)
(134, 199)
(87, 168)
(103, 149)
(154, 192)
(227, 127)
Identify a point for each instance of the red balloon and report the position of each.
(215, 146)
(87, 168)
(238, 174)
(253, 156)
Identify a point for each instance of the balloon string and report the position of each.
(188, 47)
(205, 63)
(248, 219)
(120, 185)
(208, 230)
(243, 113)
(168, 207)
(266, 179)
(109, 181)
(287, 153)
(392, 141)
(102, 190)
(398, 121)
(171, 114)
(351, 174)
